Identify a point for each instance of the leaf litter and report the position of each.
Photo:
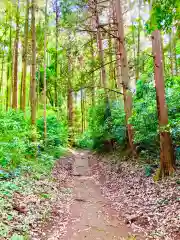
(149, 207)
(27, 203)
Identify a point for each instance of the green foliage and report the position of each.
(163, 14)
(14, 138)
(17, 237)
(144, 118)
(56, 135)
(106, 122)
(85, 141)
(17, 146)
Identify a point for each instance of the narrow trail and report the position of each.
(91, 217)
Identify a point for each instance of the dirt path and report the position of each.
(91, 218)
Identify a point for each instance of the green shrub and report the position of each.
(145, 120)
(17, 148)
(85, 141)
(57, 135)
(14, 138)
(106, 122)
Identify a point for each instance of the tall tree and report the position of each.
(24, 60)
(33, 73)
(103, 79)
(16, 53)
(2, 71)
(9, 67)
(124, 73)
(57, 10)
(92, 69)
(45, 81)
(138, 40)
(70, 100)
(167, 162)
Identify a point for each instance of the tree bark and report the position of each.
(45, 81)
(103, 80)
(9, 69)
(33, 74)
(111, 79)
(24, 61)
(124, 73)
(70, 100)
(2, 74)
(92, 68)
(171, 52)
(116, 47)
(56, 57)
(167, 160)
(15, 72)
(82, 110)
(138, 41)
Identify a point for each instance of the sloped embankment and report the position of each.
(153, 208)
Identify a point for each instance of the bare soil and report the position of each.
(91, 217)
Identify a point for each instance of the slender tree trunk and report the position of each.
(84, 106)
(92, 68)
(138, 41)
(33, 75)
(24, 61)
(56, 57)
(124, 73)
(82, 110)
(167, 160)
(70, 101)
(111, 80)
(9, 69)
(38, 89)
(15, 72)
(45, 82)
(116, 47)
(171, 52)
(2, 74)
(133, 38)
(103, 80)
(174, 51)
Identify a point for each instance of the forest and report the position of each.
(93, 81)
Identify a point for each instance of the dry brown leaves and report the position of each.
(152, 208)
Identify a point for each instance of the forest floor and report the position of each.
(90, 216)
(105, 202)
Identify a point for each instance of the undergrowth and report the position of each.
(25, 170)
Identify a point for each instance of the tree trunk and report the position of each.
(70, 101)
(45, 81)
(103, 80)
(56, 57)
(138, 41)
(38, 88)
(15, 72)
(9, 69)
(2, 74)
(33, 74)
(174, 52)
(82, 110)
(124, 73)
(171, 52)
(167, 160)
(24, 61)
(92, 68)
(116, 47)
(111, 79)
(131, 5)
